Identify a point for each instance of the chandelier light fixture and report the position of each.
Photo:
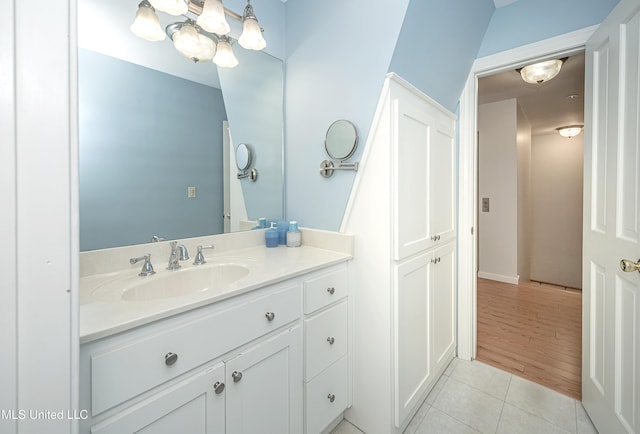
(542, 71)
(203, 35)
(570, 130)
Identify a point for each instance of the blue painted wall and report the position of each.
(253, 97)
(528, 21)
(338, 53)
(139, 150)
(438, 43)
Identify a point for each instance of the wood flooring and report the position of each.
(533, 331)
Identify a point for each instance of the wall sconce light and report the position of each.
(542, 71)
(204, 36)
(570, 130)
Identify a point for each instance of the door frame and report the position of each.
(558, 46)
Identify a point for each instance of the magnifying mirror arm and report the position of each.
(327, 167)
(251, 174)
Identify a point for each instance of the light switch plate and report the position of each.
(191, 192)
(485, 204)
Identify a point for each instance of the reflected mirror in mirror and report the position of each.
(341, 140)
(152, 124)
(243, 157)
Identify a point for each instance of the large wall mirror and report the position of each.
(153, 125)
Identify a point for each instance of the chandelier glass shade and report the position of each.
(146, 24)
(172, 7)
(212, 18)
(203, 35)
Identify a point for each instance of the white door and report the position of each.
(264, 387)
(611, 299)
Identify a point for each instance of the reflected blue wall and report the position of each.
(139, 150)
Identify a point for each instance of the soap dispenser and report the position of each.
(294, 238)
(271, 236)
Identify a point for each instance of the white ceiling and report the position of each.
(546, 105)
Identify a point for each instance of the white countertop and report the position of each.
(102, 316)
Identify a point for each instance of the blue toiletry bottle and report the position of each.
(271, 236)
(283, 226)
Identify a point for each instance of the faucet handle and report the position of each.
(147, 268)
(199, 256)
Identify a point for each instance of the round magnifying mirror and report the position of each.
(341, 140)
(243, 157)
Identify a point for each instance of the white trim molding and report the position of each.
(499, 277)
(566, 44)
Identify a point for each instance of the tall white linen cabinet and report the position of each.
(403, 294)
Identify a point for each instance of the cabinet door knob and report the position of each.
(331, 397)
(331, 290)
(170, 358)
(237, 376)
(270, 316)
(331, 341)
(218, 387)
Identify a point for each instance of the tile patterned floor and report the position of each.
(472, 397)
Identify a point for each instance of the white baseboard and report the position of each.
(499, 277)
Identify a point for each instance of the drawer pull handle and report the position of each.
(331, 341)
(331, 397)
(270, 316)
(237, 376)
(331, 290)
(218, 387)
(170, 358)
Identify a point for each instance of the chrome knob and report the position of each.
(331, 341)
(270, 316)
(170, 358)
(331, 290)
(218, 387)
(237, 376)
(331, 397)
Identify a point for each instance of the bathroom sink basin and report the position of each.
(187, 281)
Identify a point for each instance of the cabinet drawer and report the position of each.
(325, 339)
(325, 289)
(126, 370)
(331, 383)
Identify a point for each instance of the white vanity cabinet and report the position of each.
(248, 364)
(402, 214)
(230, 367)
(325, 346)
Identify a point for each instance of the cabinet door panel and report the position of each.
(191, 406)
(267, 398)
(443, 305)
(412, 367)
(326, 397)
(442, 183)
(411, 162)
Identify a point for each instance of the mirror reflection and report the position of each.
(157, 135)
(341, 140)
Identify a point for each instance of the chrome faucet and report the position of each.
(147, 268)
(200, 257)
(178, 253)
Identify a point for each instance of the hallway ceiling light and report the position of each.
(202, 36)
(570, 130)
(542, 71)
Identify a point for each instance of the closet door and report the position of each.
(443, 298)
(441, 172)
(411, 141)
(411, 334)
